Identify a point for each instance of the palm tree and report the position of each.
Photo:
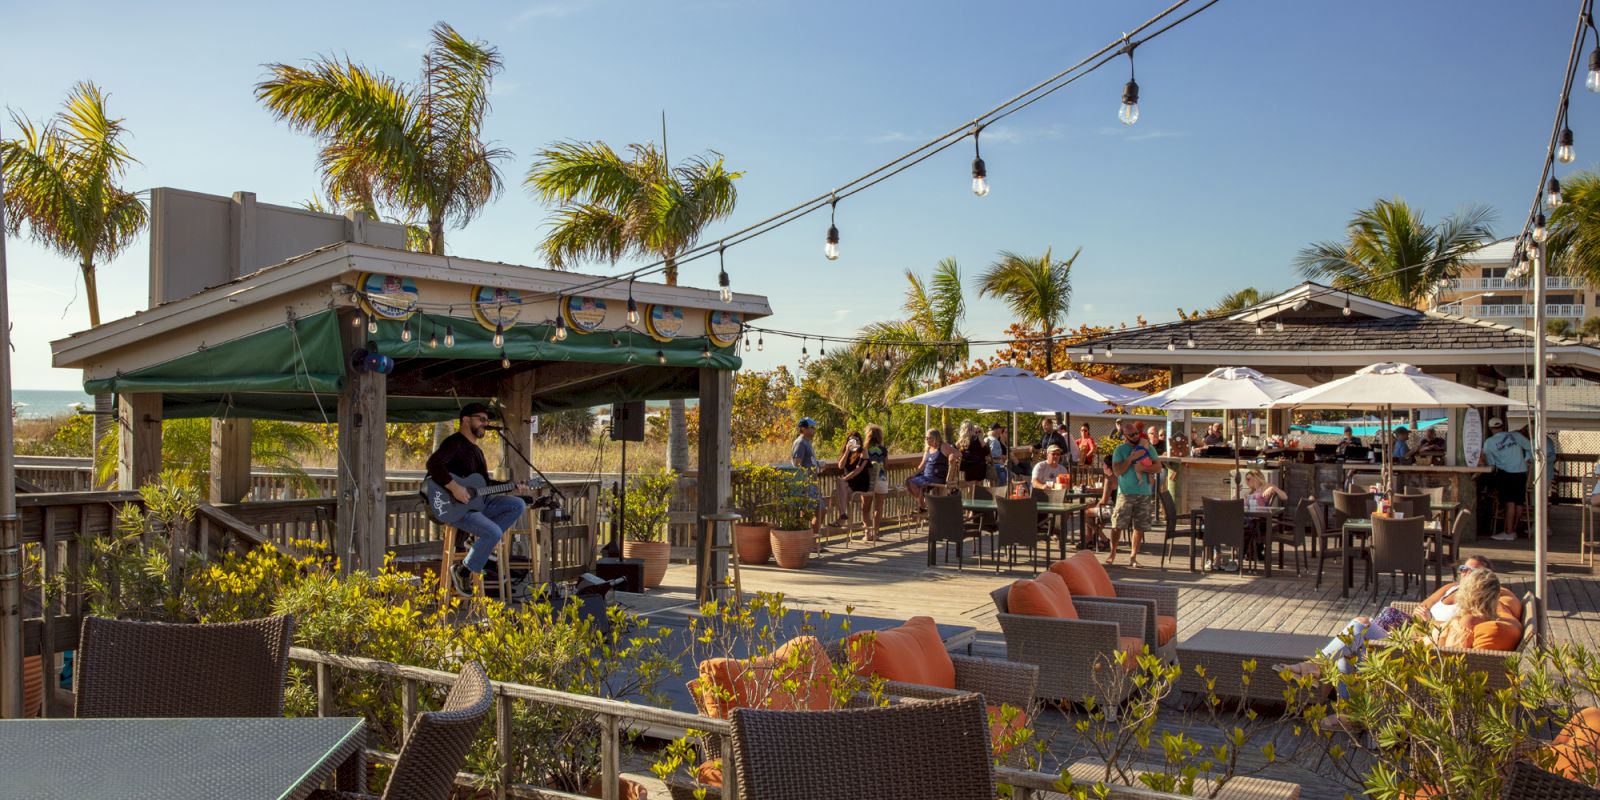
(417, 148)
(61, 181)
(1390, 254)
(608, 207)
(1038, 291)
(1574, 228)
(928, 341)
(1240, 300)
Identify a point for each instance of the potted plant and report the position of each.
(753, 488)
(644, 525)
(794, 506)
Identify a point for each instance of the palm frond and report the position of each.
(1037, 290)
(566, 170)
(583, 232)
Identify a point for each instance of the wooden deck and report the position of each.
(892, 579)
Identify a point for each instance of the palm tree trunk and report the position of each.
(103, 405)
(90, 292)
(677, 422)
(436, 235)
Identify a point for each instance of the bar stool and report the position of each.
(706, 591)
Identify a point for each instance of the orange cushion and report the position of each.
(1052, 583)
(1001, 728)
(1039, 599)
(759, 682)
(1510, 606)
(1084, 575)
(710, 773)
(1496, 635)
(911, 653)
(1134, 647)
(1166, 628)
(1577, 747)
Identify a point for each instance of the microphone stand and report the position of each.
(558, 514)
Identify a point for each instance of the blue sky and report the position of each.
(1264, 124)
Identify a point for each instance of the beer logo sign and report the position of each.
(388, 296)
(495, 307)
(724, 327)
(584, 314)
(664, 322)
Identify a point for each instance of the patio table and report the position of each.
(1222, 652)
(1263, 517)
(1058, 509)
(200, 758)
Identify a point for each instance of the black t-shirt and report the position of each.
(1051, 438)
(456, 456)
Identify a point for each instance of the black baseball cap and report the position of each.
(474, 409)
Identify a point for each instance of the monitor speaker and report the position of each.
(627, 422)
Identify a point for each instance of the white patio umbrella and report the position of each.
(1008, 389)
(1223, 389)
(1395, 384)
(1103, 391)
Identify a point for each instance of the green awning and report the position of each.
(296, 373)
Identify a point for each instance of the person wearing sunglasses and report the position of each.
(1440, 606)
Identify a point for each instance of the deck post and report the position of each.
(516, 402)
(361, 532)
(716, 448)
(139, 439)
(230, 460)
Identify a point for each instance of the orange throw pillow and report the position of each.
(1577, 747)
(1039, 599)
(729, 683)
(911, 653)
(1052, 583)
(1496, 635)
(1166, 628)
(1084, 575)
(1000, 727)
(1134, 647)
(709, 773)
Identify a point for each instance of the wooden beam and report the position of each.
(139, 439)
(716, 449)
(361, 530)
(516, 398)
(230, 460)
(559, 376)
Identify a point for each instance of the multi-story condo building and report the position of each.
(1483, 291)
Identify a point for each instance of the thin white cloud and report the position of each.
(1089, 308)
(893, 137)
(551, 10)
(1137, 134)
(840, 313)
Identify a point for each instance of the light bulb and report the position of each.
(705, 352)
(1172, 345)
(1552, 196)
(980, 178)
(505, 360)
(747, 344)
(433, 340)
(1538, 227)
(372, 326)
(802, 347)
(449, 336)
(1277, 325)
(661, 357)
(1190, 342)
(561, 329)
(1564, 152)
(1593, 83)
(1129, 113)
(722, 281)
(831, 249)
(1346, 310)
(499, 335)
(405, 333)
(1109, 354)
(1259, 330)
(633, 310)
(355, 321)
(759, 344)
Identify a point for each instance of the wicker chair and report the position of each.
(946, 525)
(1293, 532)
(1224, 527)
(1076, 657)
(1000, 682)
(436, 746)
(1495, 664)
(1190, 531)
(916, 750)
(155, 669)
(1528, 782)
(1399, 545)
(1017, 522)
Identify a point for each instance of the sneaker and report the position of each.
(1504, 536)
(461, 579)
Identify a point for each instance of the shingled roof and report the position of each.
(1421, 332)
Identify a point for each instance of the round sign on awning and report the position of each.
(584, 314)
(388, 296)
(664, 323)
(724, 327)
(495, 307)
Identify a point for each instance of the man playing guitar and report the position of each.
(460, 456)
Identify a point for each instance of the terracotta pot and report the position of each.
(655, 559)
(754, 546)
(32, 685)
(627, 790)
(793, 549)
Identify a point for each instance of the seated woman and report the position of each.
(935, 469)
(1450, 624)
(1261, 494)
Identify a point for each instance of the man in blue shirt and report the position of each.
(1135, 465)
(804, 456)
(1509, 453)
(1402, 446)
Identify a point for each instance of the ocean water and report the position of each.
(41, 403)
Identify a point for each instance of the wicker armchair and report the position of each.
(1155, 599)
(1000, 682)
(911, 751)
(436, 747)
(1076, 657)
(1493, 663)
(1528, 782)
(155, 669)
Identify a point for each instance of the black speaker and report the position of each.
(630, 568)
(627, 422)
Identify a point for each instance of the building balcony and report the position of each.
(1517, 311)
(1494, 284)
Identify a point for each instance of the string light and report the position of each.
(1109, 354)
(822, 347)
(747, 343)
(802, 345)
(505, 360)
(1259, 330)
(355, 321)
(372, 325)
(722, 276)
(1129, 113)
(1552, 197)
(1564, 152)
(1172, 344)
(705, 352)
(405, 331)
(980, 173)
(633, 308)
(433, 337)
(759, 344)
(1346, 310)
(561, 327)
(830, 250)
(1277, 325)
(1593, 83)
(1190, 342)
(499, 334)
(1538, 227)
(661, 357)
(449, 335)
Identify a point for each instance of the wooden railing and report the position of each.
(614, 717)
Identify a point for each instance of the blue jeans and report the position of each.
(1348, 647)
(488, 526)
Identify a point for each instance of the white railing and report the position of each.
(1491, 284)
(1504, 311)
